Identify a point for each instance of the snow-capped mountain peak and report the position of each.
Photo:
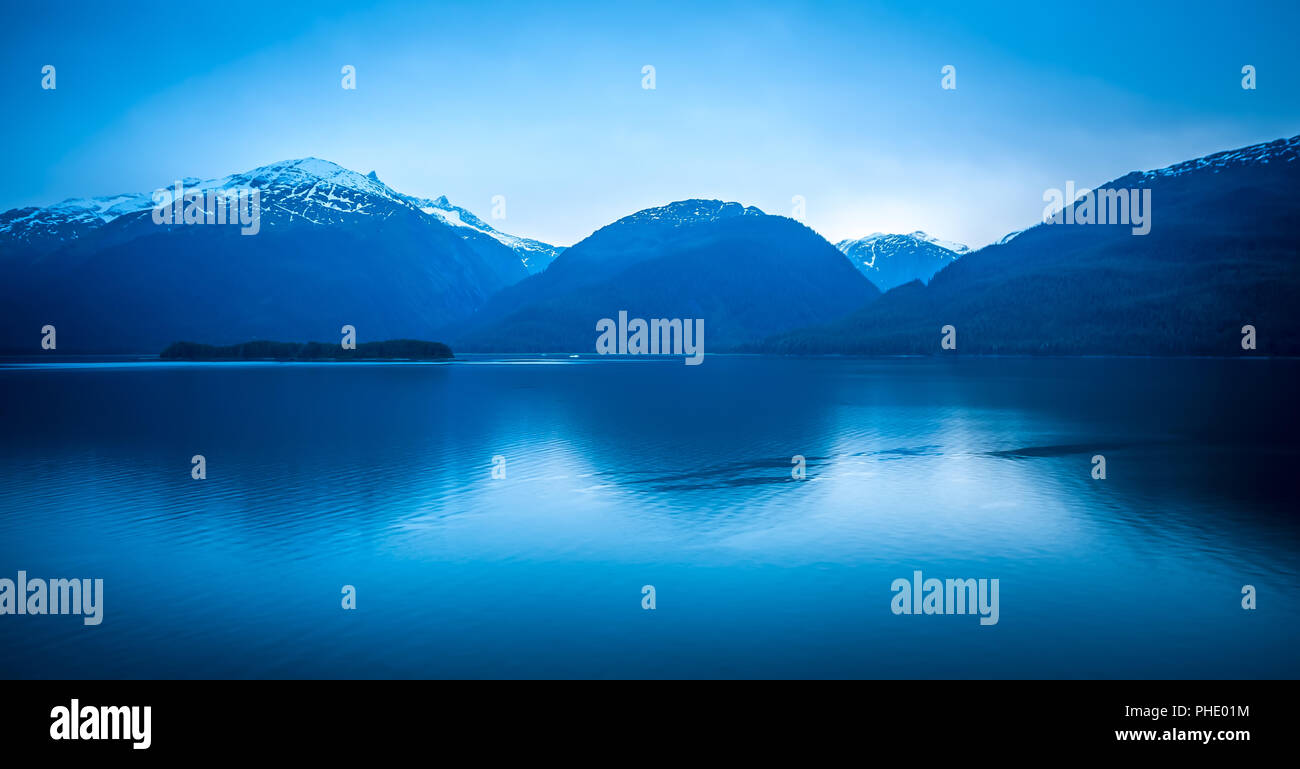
(535, 254)
(890, 260)
(106, 208)
(304, 190)
(68, 220)
(919, 236)
(956, 248)
(310, 174)
(1276, 151)
(691, 211)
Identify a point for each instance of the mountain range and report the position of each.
(1221, 254)
(338, 247)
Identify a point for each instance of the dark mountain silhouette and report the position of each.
(747, 274)
(1221, 253)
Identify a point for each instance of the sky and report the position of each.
(838, 103)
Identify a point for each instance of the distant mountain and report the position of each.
(1221, 254)
(747, 274)
(333, 247)
(892, 260)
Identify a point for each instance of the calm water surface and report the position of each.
(621, 474)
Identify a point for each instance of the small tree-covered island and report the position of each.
(392, 349)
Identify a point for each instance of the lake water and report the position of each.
(621, 474)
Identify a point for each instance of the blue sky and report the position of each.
(542, 102)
